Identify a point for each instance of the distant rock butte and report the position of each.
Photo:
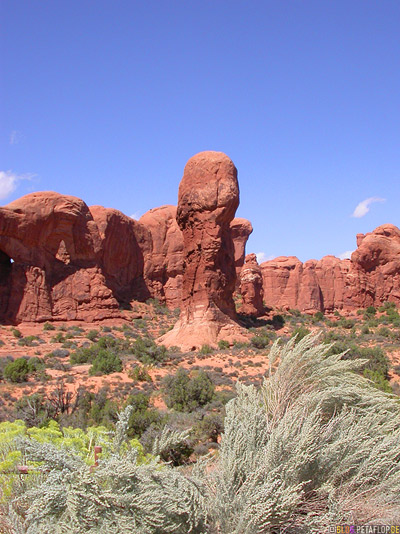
(371, 277)
(207, 201)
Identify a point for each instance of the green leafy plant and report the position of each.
(139, 373)
(184, 392)
(106, 362)
(92, 335)
(206, 349)
(17, 371)
(16, 333)
(148, 352)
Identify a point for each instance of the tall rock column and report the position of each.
(251, 287)
(207, 202)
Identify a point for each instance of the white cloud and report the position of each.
(9, 181)
(261, 256)
(363, 207)
(15, 137)
(136, 215)
(346, 255)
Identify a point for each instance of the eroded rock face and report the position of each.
(57, 264)
(251, 287)
(371, 277)
(124, 243)
(207, 201)
(164, 260)
(240, 230)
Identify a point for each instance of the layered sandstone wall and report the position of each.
(371, 277)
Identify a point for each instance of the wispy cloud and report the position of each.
(346, 255)
(261, 256)
(9, 181)
(363, 207)
(136, 215)
(15, 137)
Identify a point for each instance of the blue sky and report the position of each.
(107, 100)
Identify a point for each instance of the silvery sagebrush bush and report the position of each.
(317, 444)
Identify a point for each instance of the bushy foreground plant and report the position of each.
(316, 445)
(121, 495)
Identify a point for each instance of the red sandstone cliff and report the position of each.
(371, 277)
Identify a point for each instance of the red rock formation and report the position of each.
(164, 261)
(251, 287)
(371, 277)
(123, 242)
(241, 230)
(207, 201)
(62, 267)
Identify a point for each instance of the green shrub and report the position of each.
(319, 316)
(139, 373)
(143, 415)
(383, 331)
(376, 358)
(371, 310)
(210, 427)
(105, 362)
(17, 371)
(58, 338)
(82, 355)
(48, 326)
(16, 333)
(223, 345)
(387, 306)
(278, 321)
(92, 335)
(365, 329)
(378, 380)
(300, 333)
(185, 393)
(89, 354)
(260, 341)
(348, 324)
(28, 341)
(206, 349)
(148, 352)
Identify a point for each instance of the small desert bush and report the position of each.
(17, 371)
(148, 352)
(184, 392)
(300, 333)
(92, 335)
(139, 373)
(260, 341)
(206, 349)
(16, 333)
(105, 362)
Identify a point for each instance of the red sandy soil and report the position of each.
(244, 364)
